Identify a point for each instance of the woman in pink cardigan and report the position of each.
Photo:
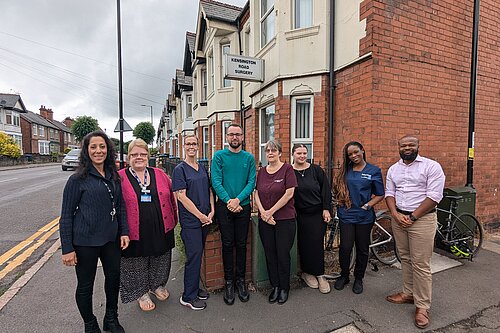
(152, 215)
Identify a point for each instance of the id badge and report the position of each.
(145, 198)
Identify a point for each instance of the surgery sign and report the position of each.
(244, 68)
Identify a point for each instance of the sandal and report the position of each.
(145, 303)
(161, 293)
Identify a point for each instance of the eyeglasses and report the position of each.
(193, 144)
(272, 150)
(143, 155)
(234, 134)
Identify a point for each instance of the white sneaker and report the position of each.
(324, 285)
(195, 304)
(310, 280)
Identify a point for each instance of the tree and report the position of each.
(116, 143)
(145, 131)
(82, 126)
(9, 147)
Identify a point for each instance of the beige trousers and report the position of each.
(415, 245)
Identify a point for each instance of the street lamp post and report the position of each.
(151, 108)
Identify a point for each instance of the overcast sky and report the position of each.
(63, 54)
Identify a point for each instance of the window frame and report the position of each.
(43, 147)
(41, 131)
(225, 124)
(204, 83)
(205, 141)
(213, 139)
(225, 83)
(189, 106)
(262, 143)
(295, 16)
(309, 141)
(211, 66)
(262, 19)
(34, 129)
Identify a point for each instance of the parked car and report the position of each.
(70, 161)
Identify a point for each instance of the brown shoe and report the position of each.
(421, 318)
(400, 298)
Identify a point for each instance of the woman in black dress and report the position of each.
(152, 215)
(313, 204)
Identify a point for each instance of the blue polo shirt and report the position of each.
(197, 186)
(362, 185)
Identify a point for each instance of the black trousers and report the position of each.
(233, 231)
(277, 241)
(350, 234)
(86, 268)
(310, 240)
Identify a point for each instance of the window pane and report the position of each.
(266, 130)
(267, 29)
(302, 119)
(265, 5)
(303, 13)
(225, 50)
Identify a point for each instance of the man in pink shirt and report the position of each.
(414, 187)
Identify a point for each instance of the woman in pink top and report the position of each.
(276, 184)
(151, 215)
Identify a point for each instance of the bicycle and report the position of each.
(382, 243)
(462, 234)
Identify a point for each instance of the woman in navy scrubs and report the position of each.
(196, 211)
(358, 186)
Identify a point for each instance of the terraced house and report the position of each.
(11, 108)
(336, 71)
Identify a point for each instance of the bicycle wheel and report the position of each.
(332, 249)
(382, 240)
(466, 236)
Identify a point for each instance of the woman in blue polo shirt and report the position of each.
(358, 186)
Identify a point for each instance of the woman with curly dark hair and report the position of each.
(93, 226)
(358, 186)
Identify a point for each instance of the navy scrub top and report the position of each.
(197, 186)
(362, 185)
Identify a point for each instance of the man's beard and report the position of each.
(410, 157)
(235, 145)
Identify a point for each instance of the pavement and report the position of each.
(26, 166)
(466, 299)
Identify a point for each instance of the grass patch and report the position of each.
(179, 244)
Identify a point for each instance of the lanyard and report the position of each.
(142, 185)
(113, 211)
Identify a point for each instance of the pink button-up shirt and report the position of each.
(411, 183)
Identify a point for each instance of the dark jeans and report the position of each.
(233, 231)
(277, 241)
(350, 234)
(86, 268)
(194, 243)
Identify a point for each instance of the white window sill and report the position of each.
(266, 48)
(302, 32)
(225, 90)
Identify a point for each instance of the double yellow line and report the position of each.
(34, 242)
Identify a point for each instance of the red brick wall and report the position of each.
(417, 82)
(27, 133)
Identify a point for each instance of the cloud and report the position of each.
(63, 54)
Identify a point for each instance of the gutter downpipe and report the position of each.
(472, 96)
(331, 109)
(242, 102)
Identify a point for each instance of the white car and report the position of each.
(71, 160)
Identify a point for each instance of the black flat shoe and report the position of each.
(273, 296)
(341, 282)
(357, 287)
(283, 296)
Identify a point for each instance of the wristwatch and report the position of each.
(366, 206)
(413, 218)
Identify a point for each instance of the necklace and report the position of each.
(301, 172)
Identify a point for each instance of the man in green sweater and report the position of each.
(233, 180)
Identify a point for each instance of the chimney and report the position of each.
(68, 122)
(46, 113)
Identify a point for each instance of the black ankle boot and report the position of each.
(273, 296)
(242, 290)
(110, 322)
(92, 326)
(229, 292)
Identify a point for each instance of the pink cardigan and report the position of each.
(167, 202)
